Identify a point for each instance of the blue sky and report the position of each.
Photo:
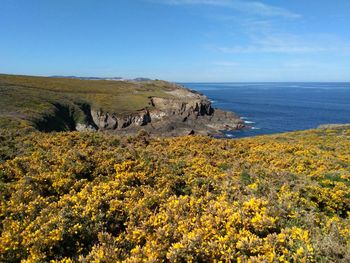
(178, 40)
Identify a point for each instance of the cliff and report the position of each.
(183, 112)
(61, 104)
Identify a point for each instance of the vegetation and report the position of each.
(92, 197)
(27, 101)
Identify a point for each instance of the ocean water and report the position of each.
(279, 107)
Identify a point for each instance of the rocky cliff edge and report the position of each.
(183, 112)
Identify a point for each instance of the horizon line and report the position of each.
(173, 81)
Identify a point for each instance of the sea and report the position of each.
(279, 107)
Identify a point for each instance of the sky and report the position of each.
(178, 40)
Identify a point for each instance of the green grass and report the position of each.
(27, 98)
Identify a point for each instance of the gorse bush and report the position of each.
(92, 197)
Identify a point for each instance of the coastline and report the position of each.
(123, 107)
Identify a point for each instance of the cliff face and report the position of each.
(184, 112)
(110, 121)
(125, 107)
(186, 103)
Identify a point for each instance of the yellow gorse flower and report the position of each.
(94, 197)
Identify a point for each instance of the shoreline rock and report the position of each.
(184, 112)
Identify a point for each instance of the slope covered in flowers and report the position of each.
(91, 197)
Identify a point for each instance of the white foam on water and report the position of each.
(249, 122)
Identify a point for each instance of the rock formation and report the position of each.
(183, 112)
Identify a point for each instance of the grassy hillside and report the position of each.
(91, 197)
(25, 99)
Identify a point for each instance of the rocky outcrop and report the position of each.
(181, 112)
(224, 120)
(110, 121)
(82, 127)
(184, 103)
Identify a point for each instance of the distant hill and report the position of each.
(141, 79)
(99, 78)
(86, 78)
